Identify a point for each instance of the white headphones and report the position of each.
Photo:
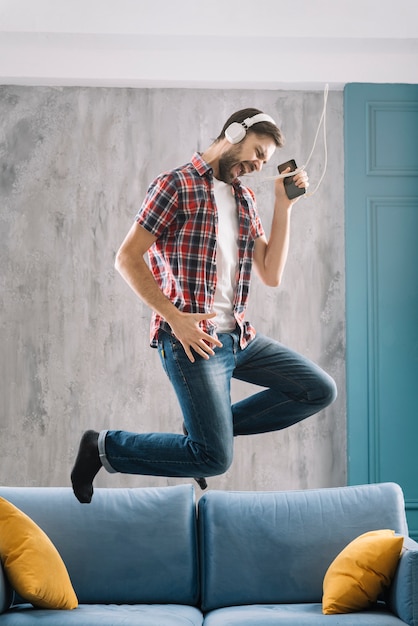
(237, 130)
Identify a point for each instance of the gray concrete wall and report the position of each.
(75, 164)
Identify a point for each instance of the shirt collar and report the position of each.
(200, 165)
(203, 168)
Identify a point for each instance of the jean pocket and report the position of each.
(176, 345)
(168, 345)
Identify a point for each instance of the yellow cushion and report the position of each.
(361, 571)
(32, 563)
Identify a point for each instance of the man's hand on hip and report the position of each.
(186, 327)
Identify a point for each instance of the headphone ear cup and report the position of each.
(235, 132)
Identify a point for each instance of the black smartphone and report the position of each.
(289, 186)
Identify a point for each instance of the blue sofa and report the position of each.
(145, 557)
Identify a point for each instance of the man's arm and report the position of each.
(131, 265)
(270, 256)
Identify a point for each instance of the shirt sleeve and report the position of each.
(159, 207)
(256, 225)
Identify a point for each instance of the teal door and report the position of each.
(381, 200)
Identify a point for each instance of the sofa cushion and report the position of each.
(403, 594)
(127, 546)
(296, 615)
(31, 561)
(361, 572)
(6, 592)
(275, 547)
(106, 615)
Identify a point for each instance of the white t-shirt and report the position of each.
(226, 256)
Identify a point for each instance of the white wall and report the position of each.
(268, 44)
(75, 163)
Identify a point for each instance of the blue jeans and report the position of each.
(295, 388)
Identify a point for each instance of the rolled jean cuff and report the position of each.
(102, 452)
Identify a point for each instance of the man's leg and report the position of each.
(203, 390)
(296, 387)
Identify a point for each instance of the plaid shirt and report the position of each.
(180, 210)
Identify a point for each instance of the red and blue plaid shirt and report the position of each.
(180, 210)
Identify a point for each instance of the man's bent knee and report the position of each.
(329, 391)
(215, 465)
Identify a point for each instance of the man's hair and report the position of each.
(260, 128)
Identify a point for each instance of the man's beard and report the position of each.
(226, 162)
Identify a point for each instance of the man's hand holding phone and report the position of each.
(294, 186)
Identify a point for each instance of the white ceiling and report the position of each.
(185, 43)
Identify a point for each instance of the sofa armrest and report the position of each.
(403, 594)
(6, 592)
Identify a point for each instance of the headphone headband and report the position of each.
(255, 119)
(237, 131)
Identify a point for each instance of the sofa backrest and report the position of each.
(127, 546)
(275, 547)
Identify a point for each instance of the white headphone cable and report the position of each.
(322, 122)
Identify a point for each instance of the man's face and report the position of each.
(245, 157)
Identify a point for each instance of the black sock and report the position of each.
(86, 466)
